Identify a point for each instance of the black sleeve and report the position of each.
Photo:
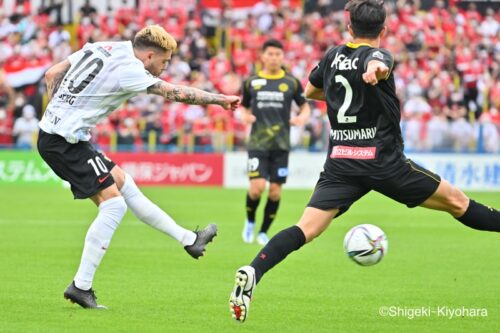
(381, 55)
(246, 100)
(317, 74)
(298, 95)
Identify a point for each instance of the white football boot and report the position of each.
(247, 233)
(262, 238)
(239, 301)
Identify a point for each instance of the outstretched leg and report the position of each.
(151, 214)
(451, 199)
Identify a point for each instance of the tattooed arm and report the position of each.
(188, 95)
(55, 75)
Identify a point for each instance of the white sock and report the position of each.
(151, 214)
(97, 240)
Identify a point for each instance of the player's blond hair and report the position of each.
(156, 37)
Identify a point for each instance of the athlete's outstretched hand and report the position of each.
(230, 102)
(375, 72)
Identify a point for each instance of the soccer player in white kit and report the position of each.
(83, 90)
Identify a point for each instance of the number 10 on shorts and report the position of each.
(98, 165)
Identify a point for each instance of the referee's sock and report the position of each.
(151, 214)
(481, 217)
(251, 206)
(280, 246)
(269, 214)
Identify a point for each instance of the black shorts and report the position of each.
(87, 170)
(410, 184)
(271, 165)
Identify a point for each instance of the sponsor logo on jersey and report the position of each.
(67, 98)
(354, 153)
(270, 99)
(378, 54)
(270, 96)
(283, 87)
(353, 134)
(258, 83)
(262, 105)
(341, 62)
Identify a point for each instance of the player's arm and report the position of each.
(247, 116)
(376, 71)
(188, 95)
(314, 87)
(313, 92)
(378, 66)
(303, 117)
(305, 110)
(55, 75)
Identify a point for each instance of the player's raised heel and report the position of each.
(244, 285)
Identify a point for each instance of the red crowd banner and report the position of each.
(172, 169)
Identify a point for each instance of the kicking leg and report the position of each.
(151, 214)
(450, 199)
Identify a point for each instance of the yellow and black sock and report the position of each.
(251, 208)
(269, 214)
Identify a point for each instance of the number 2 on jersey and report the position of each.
(97, 62)
(341, 117)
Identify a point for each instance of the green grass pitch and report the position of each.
(151, 285)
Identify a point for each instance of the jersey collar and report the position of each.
(355, 46)
(278, 76)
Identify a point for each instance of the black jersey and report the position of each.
(365, 138)
(270, 99)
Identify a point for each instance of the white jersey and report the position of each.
(102, 76)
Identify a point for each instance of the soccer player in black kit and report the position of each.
(267, 102)
(365, 151)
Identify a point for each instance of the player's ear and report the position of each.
(150, 54)
(383, 32)
(351, 32)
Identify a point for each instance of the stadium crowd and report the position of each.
(447, 70)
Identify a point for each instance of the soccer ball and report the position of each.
(366, 244)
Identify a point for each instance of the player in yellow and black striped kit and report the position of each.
(267, 102)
